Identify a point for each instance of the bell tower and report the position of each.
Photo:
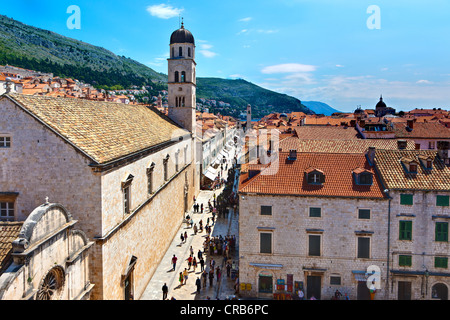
(182, 80)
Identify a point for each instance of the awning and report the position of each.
(211, 173)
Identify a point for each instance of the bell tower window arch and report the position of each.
(177, 76)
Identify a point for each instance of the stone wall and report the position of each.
(291, 226)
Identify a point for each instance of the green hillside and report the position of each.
(240, 93)
(45, 51)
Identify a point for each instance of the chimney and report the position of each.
(371, 155)
(292, 154)
(401, 144)
(410, 123)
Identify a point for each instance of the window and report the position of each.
(150, 171)
(405, 230)
(335, 280)
(266, 210)
(5, 142)
(177, 76)
(180, 51)
(364, 214)
(166, 168)
(173, 52)
(265, 243)
(365, 179)
(363, 247)
(442, 201)
(314, 245)
(189, 52)
(404, 260)
(6, 211)
(315, 212)
(176, 161)
(412, 167)
(316, 178)
(265, 284)
(126, 199)
(126, 189)
(183, 76)
(430, 145)
(406, 199)
(441, 233)
(441, 262)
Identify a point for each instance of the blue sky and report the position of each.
(318, 50)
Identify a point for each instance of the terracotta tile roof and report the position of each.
(104, 131)
(288, 178)
(9, 231)
(326, 133)
(339, 146)
(430, 130)
(395, 176)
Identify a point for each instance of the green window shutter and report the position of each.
(441, 262)
(315, 212)
(364, 214)
(404, 260)
(266, 210)
(363, 247)
(314, 245)
(405, 231)
(265, 243)
(441, 233)
(406, 199)
(442, 201)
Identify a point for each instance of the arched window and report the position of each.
(177, 76)
(189, 52)
(180, 51)
(173, 52)
(183, 76)
(182, 103)
(439, 291)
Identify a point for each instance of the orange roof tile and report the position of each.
(284, 177)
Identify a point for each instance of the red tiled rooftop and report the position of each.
(289, 177)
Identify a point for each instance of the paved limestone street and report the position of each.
(223, 226)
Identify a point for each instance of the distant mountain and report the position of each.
(240, 93)
(45, 51)
(320, 107)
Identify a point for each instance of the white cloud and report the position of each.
(205, 49)
(246, 19)
(270, 31)
(339, 66)
(206, 46)
(288, 68)
(164, 11)
(424, 82)
(208, 53)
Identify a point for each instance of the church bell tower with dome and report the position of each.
(182, 80)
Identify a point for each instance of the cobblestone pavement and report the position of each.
(223, 289)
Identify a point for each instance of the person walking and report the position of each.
(174, 262)
(185, 275)
(185, 236)
(199, 254)
(195, 229)
(189, 261)
(180, 278)
(201, 208)
(202, 264)
(211, 277)
(165, 290)
(182, 238)
(194, 263)
(198, 284)
(204, 278)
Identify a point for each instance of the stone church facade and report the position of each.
(49, 259)
(127, 173)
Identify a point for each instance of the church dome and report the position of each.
(182, 35)
(380, 104)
